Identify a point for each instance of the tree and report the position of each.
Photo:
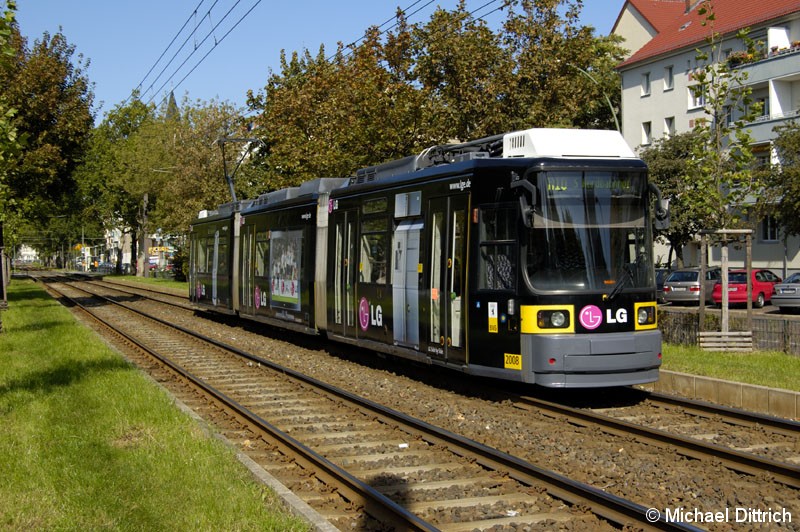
(563, 74)
(722, 158)
(10, 142)
(116, 177)
(325, 116)
(398, 92)
(465, 74)
(47, 86)
(195, 179)
(787, 174)
(668, 160)
(54, 98)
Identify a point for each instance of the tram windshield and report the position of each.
(591, 231)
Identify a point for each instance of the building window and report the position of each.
(669, 78)
(669, 126)
(769, 229)
(763, 108)
(697, 96)
(646, 84)
(647, 132)
(727, 115)
(762, 154)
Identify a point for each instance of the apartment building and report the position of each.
(663, 37)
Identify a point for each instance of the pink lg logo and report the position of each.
(591, 317)
(363, 313)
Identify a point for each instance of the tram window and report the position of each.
(374, 247)
(497, 268)
(200, 260)
(222, 259)
(373, 258)
(497, 263)
(498, 223)
(262, 252)
(375, 205)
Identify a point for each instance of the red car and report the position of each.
(763, 281)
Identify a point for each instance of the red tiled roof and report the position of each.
(659, 13)
(678, 29)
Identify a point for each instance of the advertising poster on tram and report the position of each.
(285, 261)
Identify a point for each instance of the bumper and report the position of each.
(592, 360)
(786, 301)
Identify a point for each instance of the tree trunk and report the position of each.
(3, 280)
(142, 269)
(134, 251)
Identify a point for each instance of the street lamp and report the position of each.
(593, 80)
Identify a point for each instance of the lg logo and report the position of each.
(591, 317)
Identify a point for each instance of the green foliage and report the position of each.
(10, 141)
(451, 78)
(46, 99)
(787, 176)
(668, 159)
(722, 159)
(563, 74)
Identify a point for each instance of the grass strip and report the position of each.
(765, 368)
(87, 442)
(155, 281)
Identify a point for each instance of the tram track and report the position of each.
(735, 459)
(374, 448)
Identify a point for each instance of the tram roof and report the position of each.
(530, 143)
(545, 146)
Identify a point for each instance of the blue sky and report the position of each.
(123, 39)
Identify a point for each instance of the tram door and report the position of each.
(344, 314)
(448, 260)
(247, 241)
(405, 283)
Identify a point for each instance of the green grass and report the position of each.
(88, 443)
(169, 283)
(765, 368)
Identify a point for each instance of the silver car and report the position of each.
(786, 294)
(682, 287)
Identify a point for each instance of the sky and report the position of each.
(220, 49)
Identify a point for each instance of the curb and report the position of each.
(771, 401)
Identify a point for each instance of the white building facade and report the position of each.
(663, 37)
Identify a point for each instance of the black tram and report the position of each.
(526, 256)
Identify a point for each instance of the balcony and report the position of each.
(781, 64)
(761, 128)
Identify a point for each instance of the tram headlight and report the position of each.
(552, 319)
(646, 315)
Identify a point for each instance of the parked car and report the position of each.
(786, 295)
(763, 283)
(683, 287)
(661, 276)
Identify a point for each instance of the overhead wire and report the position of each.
(197, 26)
(160, 57)
(216, 43)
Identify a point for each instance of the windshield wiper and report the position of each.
(627, 275)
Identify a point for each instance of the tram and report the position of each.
(526, 256)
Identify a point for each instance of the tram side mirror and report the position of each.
(525, 207)
(662, 215)
(661, 208)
